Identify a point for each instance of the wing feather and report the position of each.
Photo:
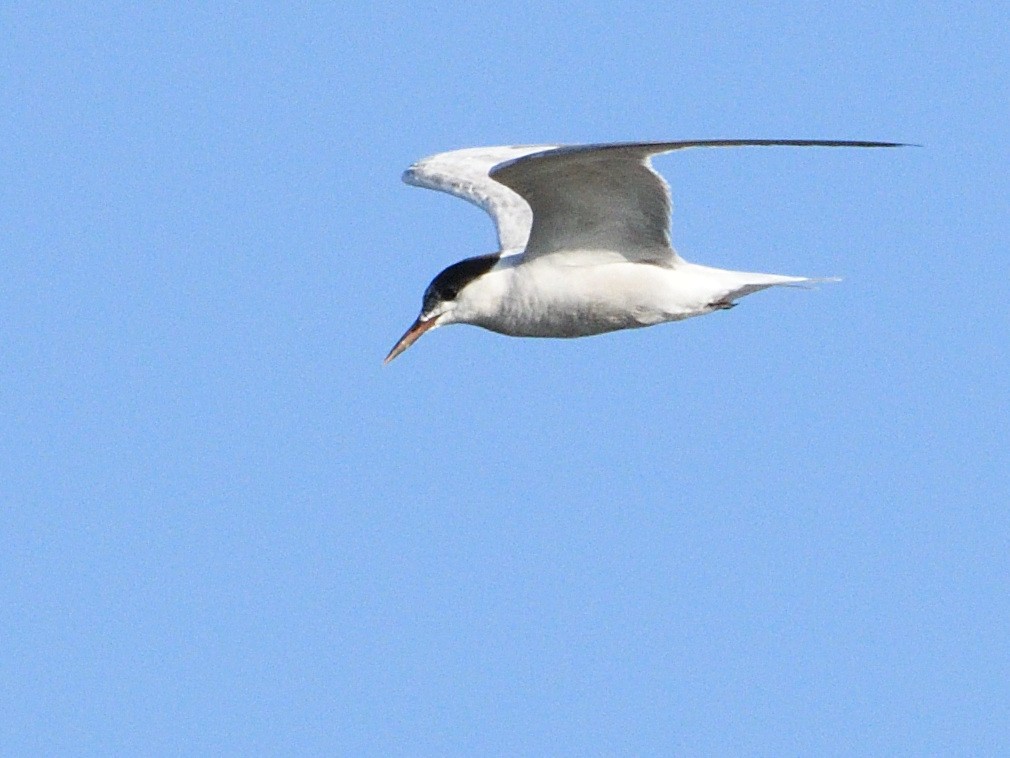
(608, 197)
(465, 174)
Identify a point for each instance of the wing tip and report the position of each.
(650, 149)
(410, 175)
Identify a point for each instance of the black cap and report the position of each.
(447, 285)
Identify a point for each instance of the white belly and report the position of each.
(545, 298)
(573, 301)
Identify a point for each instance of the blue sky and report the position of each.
(227, 529)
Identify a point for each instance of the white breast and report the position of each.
(542, 298)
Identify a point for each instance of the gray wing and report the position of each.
(465, 174)
(608, 197)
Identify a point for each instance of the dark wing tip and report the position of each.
(645, 149)
(667, 146)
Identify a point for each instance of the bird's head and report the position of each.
(447, 300)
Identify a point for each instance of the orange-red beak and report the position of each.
(409, 337)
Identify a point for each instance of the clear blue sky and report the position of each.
(227, 529)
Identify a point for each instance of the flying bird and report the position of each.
(584, 238)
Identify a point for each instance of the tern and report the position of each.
(584, 238)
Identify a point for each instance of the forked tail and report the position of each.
(758, 282)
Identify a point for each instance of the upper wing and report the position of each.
(608, 197)
(464, 173)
